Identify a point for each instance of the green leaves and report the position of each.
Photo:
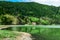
(34, 19)
(8, 19)
(33, 11)
(45, 21)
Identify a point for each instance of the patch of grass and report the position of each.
(7, 34)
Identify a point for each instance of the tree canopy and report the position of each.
(33, 10)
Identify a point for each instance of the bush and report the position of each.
(8, 19)
(45, 20)
(34, 19)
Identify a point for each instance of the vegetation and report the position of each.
(8, 19)
(7, 34)
(27, 13)
(40, 33)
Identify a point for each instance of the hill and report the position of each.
(29, 13)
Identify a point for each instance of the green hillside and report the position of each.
(28, 13)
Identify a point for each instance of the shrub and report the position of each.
(8, 19)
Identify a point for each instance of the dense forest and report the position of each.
(28, 13)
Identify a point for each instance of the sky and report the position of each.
(48, 2)
(19, 0)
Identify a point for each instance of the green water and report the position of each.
(39, 33)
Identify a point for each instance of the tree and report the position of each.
(8, 19)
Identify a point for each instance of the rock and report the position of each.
(24, 36)
(33, 23)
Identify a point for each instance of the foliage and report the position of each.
(8, 19)
(30, 9)
(45, 20)
(7, 34)
(34, 19)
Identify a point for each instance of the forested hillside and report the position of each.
(28, 13)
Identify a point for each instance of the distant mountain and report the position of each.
(29, 9)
